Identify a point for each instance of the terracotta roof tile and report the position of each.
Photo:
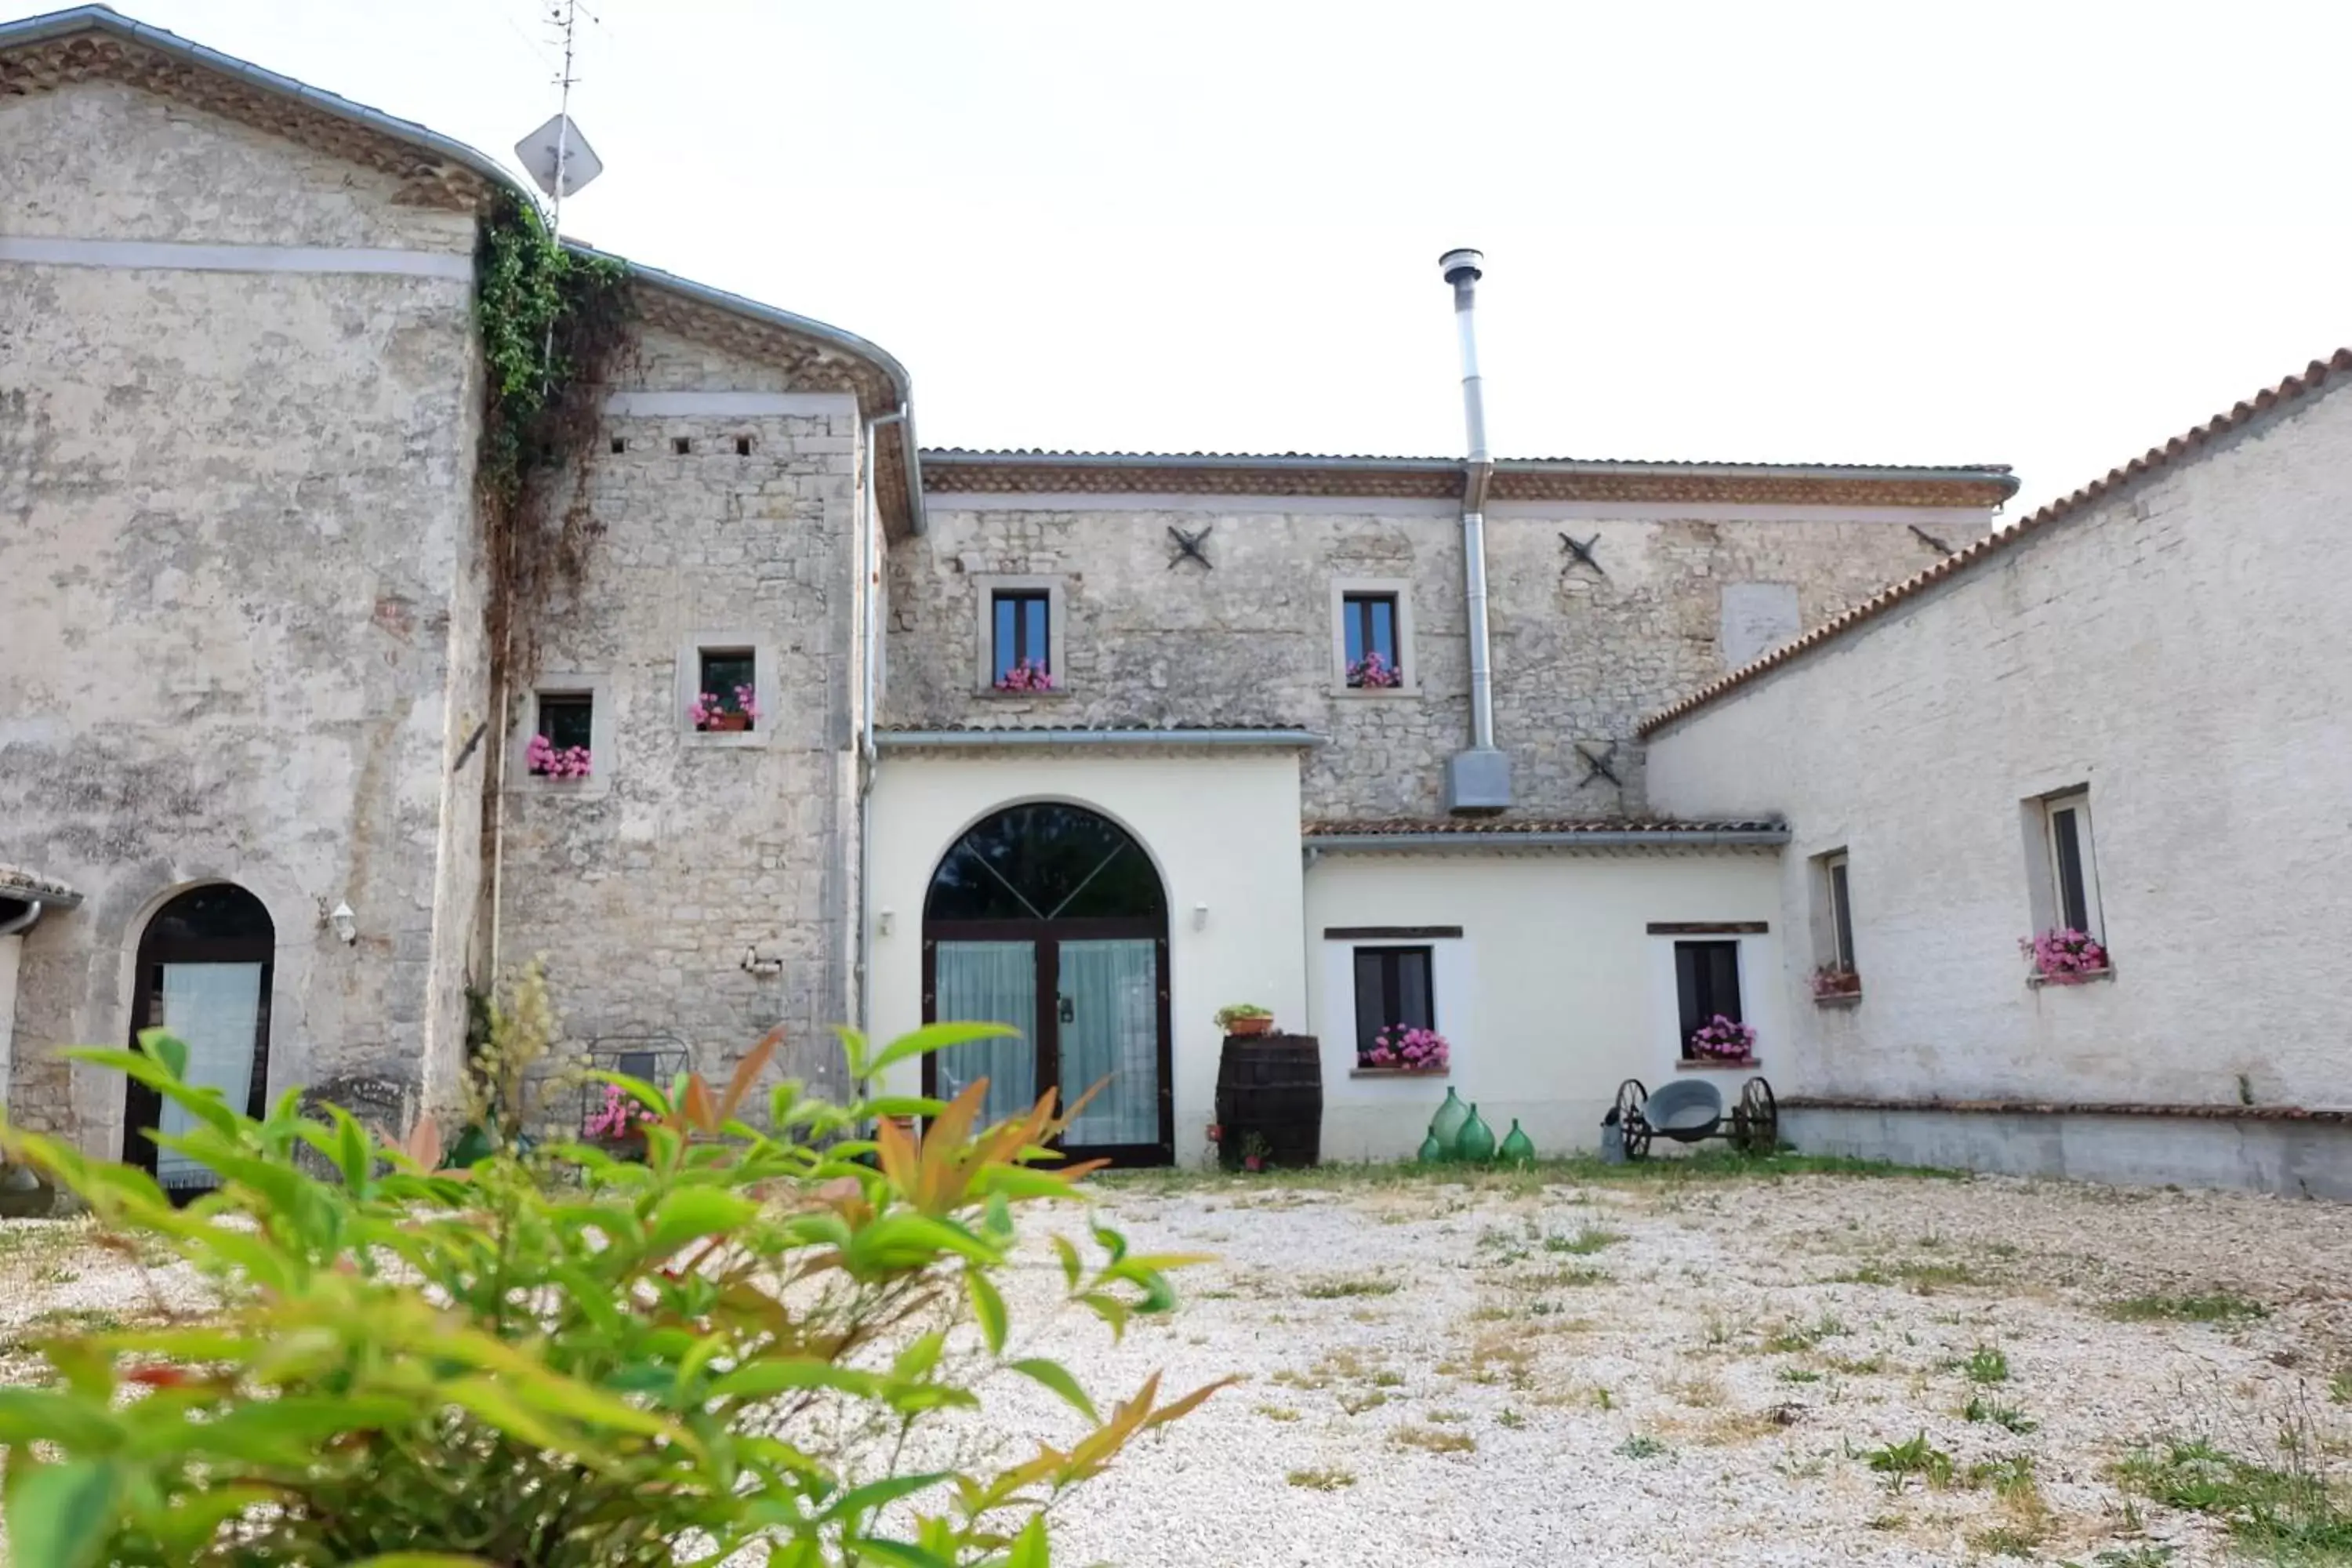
(1499, 828)
(2317, 376)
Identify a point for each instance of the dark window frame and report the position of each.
(728, 653)
(1041, 652)
(1358, 627)
(566, 709)
(2066, 866)
(1840, 884)
(1700, 981)
(1391, 962)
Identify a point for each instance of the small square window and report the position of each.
(1393, 988)
(681, 445)
(1022, 640)
(727, 689)
(1706, 987)
(743, 445)
(1373, 649)
(563, 735)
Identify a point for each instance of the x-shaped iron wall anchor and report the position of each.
(1598, 767)
(1941, 548)
(1188, 547)
(1582, 553)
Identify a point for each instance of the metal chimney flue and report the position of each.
(1478, 781)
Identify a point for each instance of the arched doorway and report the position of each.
(1051, 918)
(204, 972)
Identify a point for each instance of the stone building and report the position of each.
(2128, 714)
(1092, 744)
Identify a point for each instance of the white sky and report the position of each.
(2049, 234)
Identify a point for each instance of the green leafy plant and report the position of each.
(1915, 1457)
(1986, 1363)
(2208, 1307)
(1228, 1017)
(2007, 1417)
(569, 1361)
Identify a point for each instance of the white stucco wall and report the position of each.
(2178, 648)
(1221, 826)
(1554, 994)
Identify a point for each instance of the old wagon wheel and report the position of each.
(1757, 1122)
(1632, 1118)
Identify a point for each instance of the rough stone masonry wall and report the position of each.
(1579, 656)
(235, 528)
(2178, 648)
(645, 885)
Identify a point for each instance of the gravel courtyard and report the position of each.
(1559, 1369)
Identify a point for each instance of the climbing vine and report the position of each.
(553, 322)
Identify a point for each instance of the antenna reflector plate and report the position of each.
(558, 137)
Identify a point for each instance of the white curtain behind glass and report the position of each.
(215, 1008)
(1114, 1032)
(989, 983)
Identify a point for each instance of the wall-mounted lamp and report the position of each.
(765, 968)
(346, 924)
(885, 921)
(1199, 916)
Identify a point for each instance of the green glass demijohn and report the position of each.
(1517, 1149)
(1476, 1142)
(1432, 1152)
(1446, 1127)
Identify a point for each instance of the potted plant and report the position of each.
(710, 712)
(1244, 1018)
(1374, 672)
(1830, 980)
(1029, 674)
(1722, 1039)
(2064, 956)
(547, 759)
(618, 1124)
(1403, 1047)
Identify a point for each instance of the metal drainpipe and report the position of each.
(1478, 780)
(869, 679)
(23, 923)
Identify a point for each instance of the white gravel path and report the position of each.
(1471, 1396)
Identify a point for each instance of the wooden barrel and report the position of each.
(1270, 1093)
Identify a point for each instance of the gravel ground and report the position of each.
(1633, 1372)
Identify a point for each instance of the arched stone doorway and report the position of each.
(1051, 919)
(204, 965)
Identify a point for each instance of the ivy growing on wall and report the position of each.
(553, 322)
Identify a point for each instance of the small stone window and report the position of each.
(726, 691)
(563, 735)
(1018, 636)
(1371, 637)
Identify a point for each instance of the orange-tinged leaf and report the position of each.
(1190, 1402)
(748, 1070)
(423, 1145)
(701, 1110)
(895, 1151)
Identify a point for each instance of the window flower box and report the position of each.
(547, 759)
(1836, 987)
(1373, 672)
(1027, 674)
(2064, 956)
(713, 715)
(1722, 1042)
(1406, 1049)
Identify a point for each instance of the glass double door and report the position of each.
(1090, 1008)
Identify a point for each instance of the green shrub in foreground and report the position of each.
(736, 1343)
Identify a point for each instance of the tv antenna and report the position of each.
(556, 155)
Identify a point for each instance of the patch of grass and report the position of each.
(2293, 1513)
(1642, 1445)
(1792, 1337)
(2005, 1540)
(1386, 1379)
(2012, 1477)
(2339, 1388)
(1356, 1403)
(1915, 1457)
(2008, 1417)
(1703, 1167)
(1986, 1363)
(1449, 1418)
(1798, 1374)
(1337, 1289)
(1858, 1366)
(1585, 1242)
(1434, 1439)
(1509, 1420)
(2211, 1306)
(1277, 1411)
(2144, 1555)
(1701, 1390)
(1321, 1480)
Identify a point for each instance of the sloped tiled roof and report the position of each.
(1497, 827)
(958, 470)
(2316, 377)
(15, 882)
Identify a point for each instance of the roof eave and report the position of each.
(1629, 839)
(965, 739)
